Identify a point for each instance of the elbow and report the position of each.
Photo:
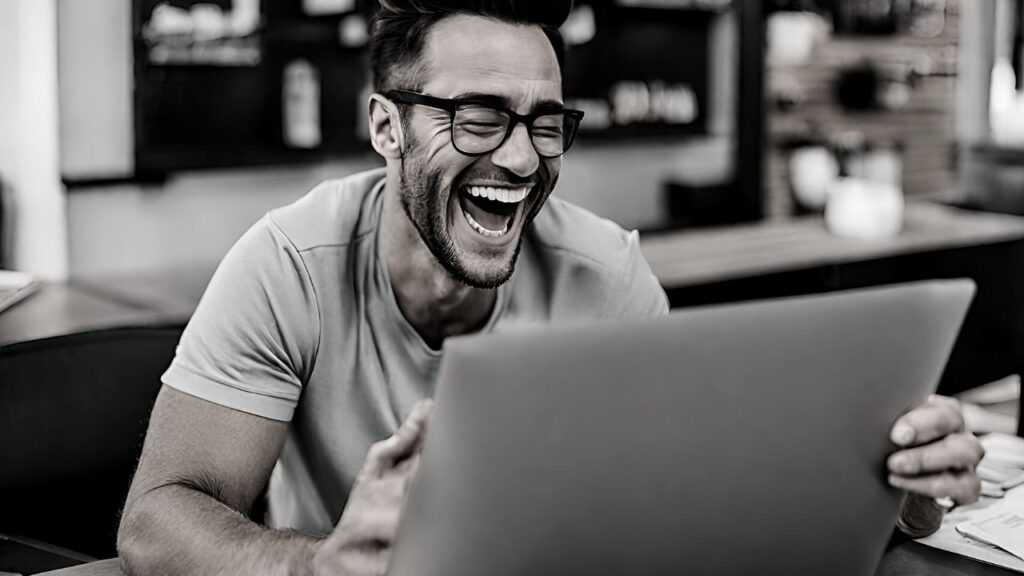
(137, 534)
(129, 536)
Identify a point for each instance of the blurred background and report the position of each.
(762, 147)
(140, 135)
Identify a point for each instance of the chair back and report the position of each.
(73, 413)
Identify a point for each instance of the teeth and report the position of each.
(484, 231)
(504, 195)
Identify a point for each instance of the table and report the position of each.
(800, 257)
(58, 309)
(707, 256)
(87, 304)
(906, 559)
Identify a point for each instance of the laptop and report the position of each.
(740, 439)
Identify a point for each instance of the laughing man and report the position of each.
(322, 327)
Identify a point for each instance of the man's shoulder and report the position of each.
(335, 213)
(574, 232)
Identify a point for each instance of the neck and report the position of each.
(434, 303)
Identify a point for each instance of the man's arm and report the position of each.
(202, 467)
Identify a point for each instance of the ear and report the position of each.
(385, 127)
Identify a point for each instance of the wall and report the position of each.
(194, 218)
(29, 137)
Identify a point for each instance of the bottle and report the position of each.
(301, 100)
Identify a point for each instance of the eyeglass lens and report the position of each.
(479, 129)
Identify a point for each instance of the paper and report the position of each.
(949, 539)
(992, 529)
(1005, 530)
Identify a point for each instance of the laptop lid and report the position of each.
(741, 439)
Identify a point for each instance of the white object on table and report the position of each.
(991, 529)
(15, 286)
(859, 208)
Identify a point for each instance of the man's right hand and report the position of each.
(361, 542)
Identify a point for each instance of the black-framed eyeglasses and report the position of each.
(478, 128)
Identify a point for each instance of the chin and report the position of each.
(486, 273)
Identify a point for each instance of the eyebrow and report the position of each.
(547, 105)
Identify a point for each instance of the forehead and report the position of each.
(473, 54)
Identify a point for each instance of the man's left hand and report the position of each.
(937, 459)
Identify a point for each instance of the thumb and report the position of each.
(408, 439)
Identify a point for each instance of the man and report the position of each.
(324, 323)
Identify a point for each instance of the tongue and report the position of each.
(478, 210)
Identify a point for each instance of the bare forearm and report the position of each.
(178, 530)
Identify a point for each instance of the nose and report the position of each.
(517, 154)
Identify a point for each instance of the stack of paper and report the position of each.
(1002, 468)
(992, 529)
(15, 286)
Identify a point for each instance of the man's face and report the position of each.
(446, 193)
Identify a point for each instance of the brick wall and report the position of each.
(925, 126)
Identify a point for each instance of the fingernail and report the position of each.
(902, 434)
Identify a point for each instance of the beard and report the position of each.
(426, 206)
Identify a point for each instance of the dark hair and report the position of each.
(399, 29)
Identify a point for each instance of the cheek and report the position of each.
(552, 167)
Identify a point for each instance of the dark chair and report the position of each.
(73, 414)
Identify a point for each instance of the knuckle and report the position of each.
(912, 462)
(939, 485)
(969, 451)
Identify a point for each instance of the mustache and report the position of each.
(497, 174)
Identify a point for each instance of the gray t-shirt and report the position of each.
(300, 324)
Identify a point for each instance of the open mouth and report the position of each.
(491, 211)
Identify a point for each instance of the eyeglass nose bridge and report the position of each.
(526, 120)
(514, 120)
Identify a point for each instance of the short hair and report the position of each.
(399, 29)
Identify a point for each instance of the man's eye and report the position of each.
(481, 127)
(547, 132)
(480, 124)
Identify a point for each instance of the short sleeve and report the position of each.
(637, 293)
(252, 341)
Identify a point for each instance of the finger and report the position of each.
(405, 440)
(405, 471)
(961, 487)
(400, 445)
(412, 432)
(930, 421)
(954, 452)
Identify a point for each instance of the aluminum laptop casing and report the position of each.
(740, 439)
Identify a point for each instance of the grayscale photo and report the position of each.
(511, 287)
